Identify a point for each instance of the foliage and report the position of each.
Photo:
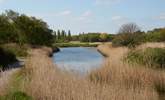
(128, 39)
(129, 35)
(103, 37)
(19, 51)
(94, 37)
(62, 36)
(151, 57)
(7, 30)
(6, 57)
(76, 45)
(23, 29)
(156, 35)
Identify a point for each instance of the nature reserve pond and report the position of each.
(78, 59)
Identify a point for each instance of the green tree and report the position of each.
(7, 30)
(58, 34)
(104, 37)
(69, 35)
(35, 30)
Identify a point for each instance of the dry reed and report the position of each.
(46, 82)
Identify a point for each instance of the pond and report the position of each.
(78, 59)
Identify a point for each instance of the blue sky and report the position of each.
(92, 15)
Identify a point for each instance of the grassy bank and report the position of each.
(77, 44)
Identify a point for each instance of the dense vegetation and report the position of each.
(151, 57)
(93, 37)
(130, 35)
(6, 57)
(21, 29)
(18, 30)
(63, 37)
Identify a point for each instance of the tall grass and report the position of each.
(45, 82)
(5, 81)
(116, 72)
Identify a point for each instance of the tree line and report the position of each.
(130, 35)
(21, 29)
(93, 37)
(62, 36)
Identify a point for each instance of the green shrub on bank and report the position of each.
(128, 39)
(150, 57)
(19, 51)
(75, 45)
(6, 58)
(156, 35)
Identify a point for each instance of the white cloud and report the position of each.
(161, 16)
(85, 16)
(114, 18)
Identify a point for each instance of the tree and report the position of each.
(129, 35)
(35, 30)
(58, 34)
(63, 33)
(69, 35)
(129, 28)
(12, 15)
(7, 30)
(104, 37)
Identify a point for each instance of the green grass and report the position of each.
(150, 57)
(76, 44)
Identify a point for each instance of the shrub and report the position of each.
(129, 35)
(128, 39)
(6, 58)
(157, 35)
(151, 57)
(19, 51)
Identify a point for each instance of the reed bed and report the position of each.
(115, 80)
(45, 82)
(5, 78)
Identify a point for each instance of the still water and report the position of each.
(78, 59)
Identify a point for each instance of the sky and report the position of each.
(92, 15)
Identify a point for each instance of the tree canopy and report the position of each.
(20, 28)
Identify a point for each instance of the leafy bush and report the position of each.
(75, 45)
(151, 57)
(6, 58)
(128, 39)
(19, 51)
(157, 35)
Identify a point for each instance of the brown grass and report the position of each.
(5, 81)
(45, 82)
(116, 72)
